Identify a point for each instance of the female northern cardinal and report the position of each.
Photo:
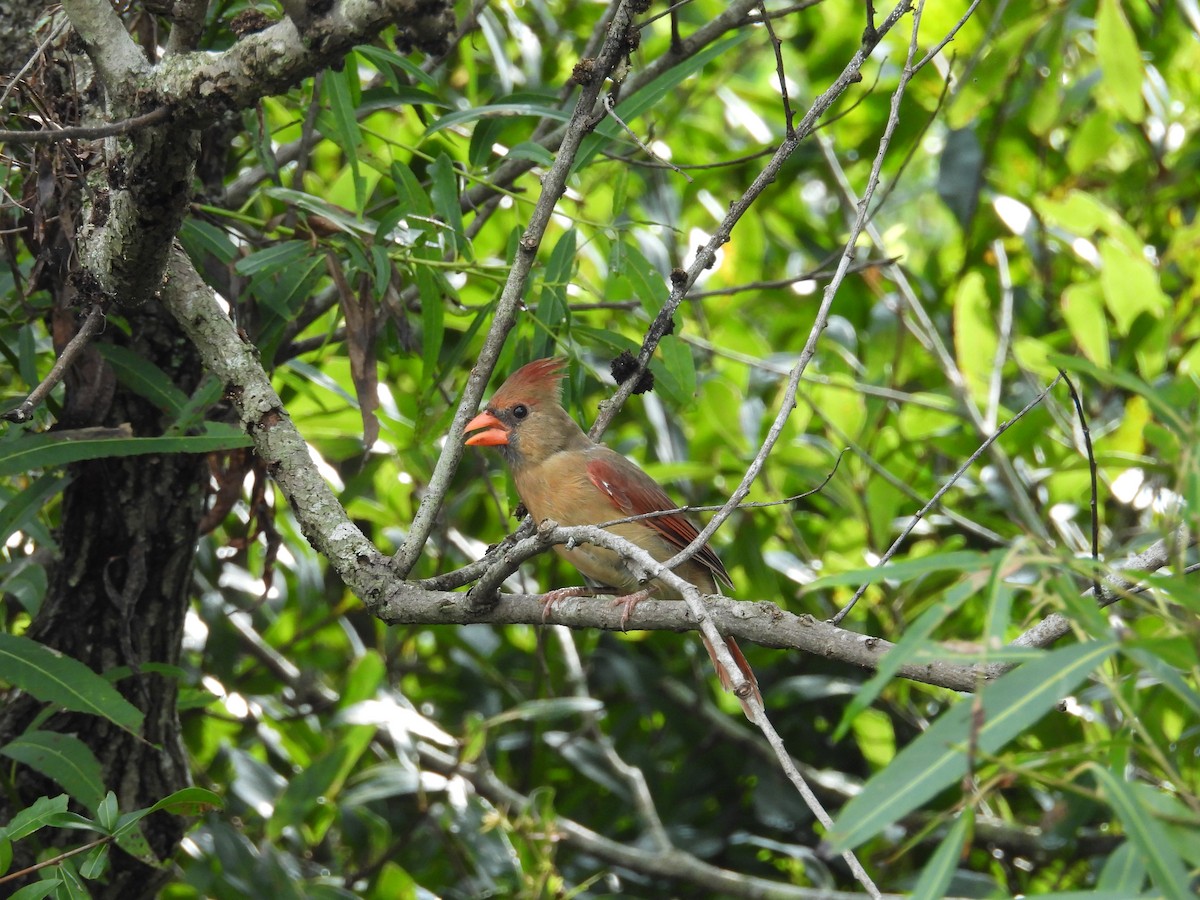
(564, 475)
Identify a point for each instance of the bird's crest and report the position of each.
(538, 380)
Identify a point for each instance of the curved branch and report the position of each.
(671, 863)
(202, 86)
(120, 62)
(553, 185)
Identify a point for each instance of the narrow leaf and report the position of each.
(915, 637)
(650, 95)
(38, 890)
(1147, 834)
(962, 560)
(143, 377)
(53, 677)
(60, 448)
(532, 108)
(26, 504)
(939, 871)
(63, 758)
(1120, 60)
(936, 760)
(444, 194)
(33, 817)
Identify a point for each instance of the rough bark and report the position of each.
(117, 596)
(118, 591)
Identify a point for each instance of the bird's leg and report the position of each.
(629, 602)
(551, 598)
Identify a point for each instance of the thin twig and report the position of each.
(937, 48)
(1003, 334)
(553, 185)
(633, 776)
(810, 346)
(55, 860)
(86, 132)
(91, 325)
(610, 109)
(926, 332)
(1091, 456)
(950, 482)
(777, 46)
(59, 27)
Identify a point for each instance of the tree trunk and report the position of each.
(118, 597)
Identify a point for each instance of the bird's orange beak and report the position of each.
(497, 432)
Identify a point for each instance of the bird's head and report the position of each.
(525, 418)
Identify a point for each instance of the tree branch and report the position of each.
(119, 61)
(580, 125)
(91, 325)
(672, 863)
(201, 86)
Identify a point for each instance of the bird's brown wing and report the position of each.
(634, 493)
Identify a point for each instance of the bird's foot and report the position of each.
(551, 598)
(629, 602)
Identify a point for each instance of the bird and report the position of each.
(562, 474)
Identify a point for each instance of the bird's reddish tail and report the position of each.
(739, 658)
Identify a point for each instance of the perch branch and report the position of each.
(91, 325)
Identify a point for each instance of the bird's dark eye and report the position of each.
(520, 411)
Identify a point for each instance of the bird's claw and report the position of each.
(551, 598)
(628, 603)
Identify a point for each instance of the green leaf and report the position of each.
(35, 816)
(1130, 285)
(143, 377)
(1165, 867)
(19, 509)
(94, 862)
(410, 195)
(274, 258)
(60, 448)
(191, 414)
(70, 887)
(939, 871)
(186, 802)
(914, 638)
(540, 710)
(343, 219)
(650, 95)
(1120, 60)
(538, 107)
(433, 322)
(551, 312)
(937, 759)
(339, 88)
(189, 801)
(1083, 311)
(1166, 674)
(63, 758)
(383, 59)
(960, 560)
(200, 238)
(320, 782)
(38, 890)
(444, 194)
(1124, 871)
(676, 375)
(53, 677)
(106, 813)
(535, 153)
(974, 334)
(649, 287)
